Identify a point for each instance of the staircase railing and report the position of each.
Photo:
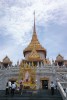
(62, 92)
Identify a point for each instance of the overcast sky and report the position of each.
(16, 27)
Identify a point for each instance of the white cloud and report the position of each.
(17, 16)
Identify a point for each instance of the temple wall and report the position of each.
(26, 55)
(6, 74)
(41, 54)
(50, 77)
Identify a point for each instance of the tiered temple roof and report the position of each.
(34, 43)
(59, 58)
(6, 60)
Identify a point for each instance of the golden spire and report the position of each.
(34, 42)
(34, 28)
(34, 37)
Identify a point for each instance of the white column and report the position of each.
(44, 64)
(41, 64)
(29, 63)
(38, 64)
(57, 63)
(64, 64)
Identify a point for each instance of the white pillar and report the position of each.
(57, 63)
(29, 63)
(41, 64)
(64, 64)
(38, 64)
(44, 64)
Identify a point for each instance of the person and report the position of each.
(13, 87)
(9, 85)
(21, 86)
(52, 88)
(56, 87)
(7, 89)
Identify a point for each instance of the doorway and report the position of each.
(44, 84)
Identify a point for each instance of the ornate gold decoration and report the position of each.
(44, 78)
(29, 72)
(34, 55)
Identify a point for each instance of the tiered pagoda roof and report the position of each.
(6, 60)
(59, 58)
(34, 43)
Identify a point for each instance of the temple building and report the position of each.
(6, 62)
(35, 71)
(60, 61)
(35, 58)
(34, 52)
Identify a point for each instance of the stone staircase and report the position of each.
(32, 95)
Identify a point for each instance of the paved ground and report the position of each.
(32, 95)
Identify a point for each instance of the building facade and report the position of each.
(35, 71)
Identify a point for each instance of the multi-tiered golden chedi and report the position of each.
(34, 52)
(35, 56)
(34, 43)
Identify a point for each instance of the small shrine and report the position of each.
(27, 76)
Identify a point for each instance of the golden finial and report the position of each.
(34, 29)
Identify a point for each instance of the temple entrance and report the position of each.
(44, 84)
(5, 65)
(60, 63)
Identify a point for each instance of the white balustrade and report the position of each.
(66, 93)
(63, 94)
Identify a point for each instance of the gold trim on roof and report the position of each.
(34, 54)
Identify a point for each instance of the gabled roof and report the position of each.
(34, 55)
(6, 60)
(59, 57)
